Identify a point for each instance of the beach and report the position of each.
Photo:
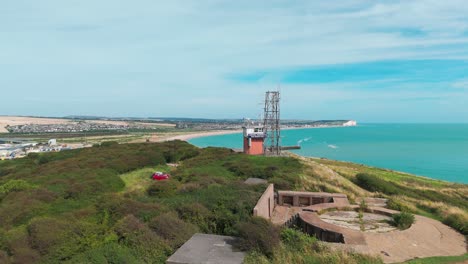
(187, 137)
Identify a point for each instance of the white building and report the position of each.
(52, 142)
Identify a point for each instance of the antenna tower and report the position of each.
(271, 123)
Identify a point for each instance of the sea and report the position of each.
(438, 151)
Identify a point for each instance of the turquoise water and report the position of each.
(438, 151)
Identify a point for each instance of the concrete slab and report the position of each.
(255, 181)
(209, 249)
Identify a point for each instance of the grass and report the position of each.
(440, 260)
(139, 180)
(297, 247)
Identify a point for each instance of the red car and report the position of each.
(159, 176)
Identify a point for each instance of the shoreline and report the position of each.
(189, 136)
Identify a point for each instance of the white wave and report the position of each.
(332, 146)
(299, 142)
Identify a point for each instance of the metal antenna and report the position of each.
(271, 123)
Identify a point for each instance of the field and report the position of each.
(98, 205)
(20, 120)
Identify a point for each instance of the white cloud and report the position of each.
(184, 49)
(461, 84)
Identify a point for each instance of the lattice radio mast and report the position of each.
(271, 123)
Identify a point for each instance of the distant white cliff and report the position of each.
(350, 123)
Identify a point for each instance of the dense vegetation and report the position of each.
(99, 205)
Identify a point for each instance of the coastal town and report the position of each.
(14, 148)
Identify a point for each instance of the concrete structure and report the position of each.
(266, 203)
(253, 140)
(255, 181)
(302, 199)
(425, 238)
(204, 248)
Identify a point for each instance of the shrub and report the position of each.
(197, 214)
(259, 234)
(403, 220)
(109, 143)
(4, 257)
(107, 253)
(374, 184)
(162, 189)
(458, 222)
(394, 204)
(117, 207)
(174, 230)
(363, 206)
(14, 186)
(17, 244)
(147, 245)
(297, 240)
(18, 207)
(60, 239)
(281, 184)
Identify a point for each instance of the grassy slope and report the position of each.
(98, 204)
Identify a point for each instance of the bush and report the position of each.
(14, 186)
(403, 220)
(109, 143)
(393, 204)
(107, 253)
(259, 234)
(297, 240)
(374, 184)
(60, 239)
(17, 244)
(197, 214)
(147, 245)
(117, 207)
(162, 189)
(457, 222)
(174, 230)
(363, 206)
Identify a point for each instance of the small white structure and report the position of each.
(52, 142)
(4, 153)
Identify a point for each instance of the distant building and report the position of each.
(253, 140)
(4, 153)
(52, 142)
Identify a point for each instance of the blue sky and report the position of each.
(373, 61)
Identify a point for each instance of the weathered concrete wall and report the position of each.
(308, 198)
(266, 203)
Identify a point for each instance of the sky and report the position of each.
(368, 60)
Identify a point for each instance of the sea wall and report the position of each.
(266, 203)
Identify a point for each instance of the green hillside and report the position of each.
(99, 205)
